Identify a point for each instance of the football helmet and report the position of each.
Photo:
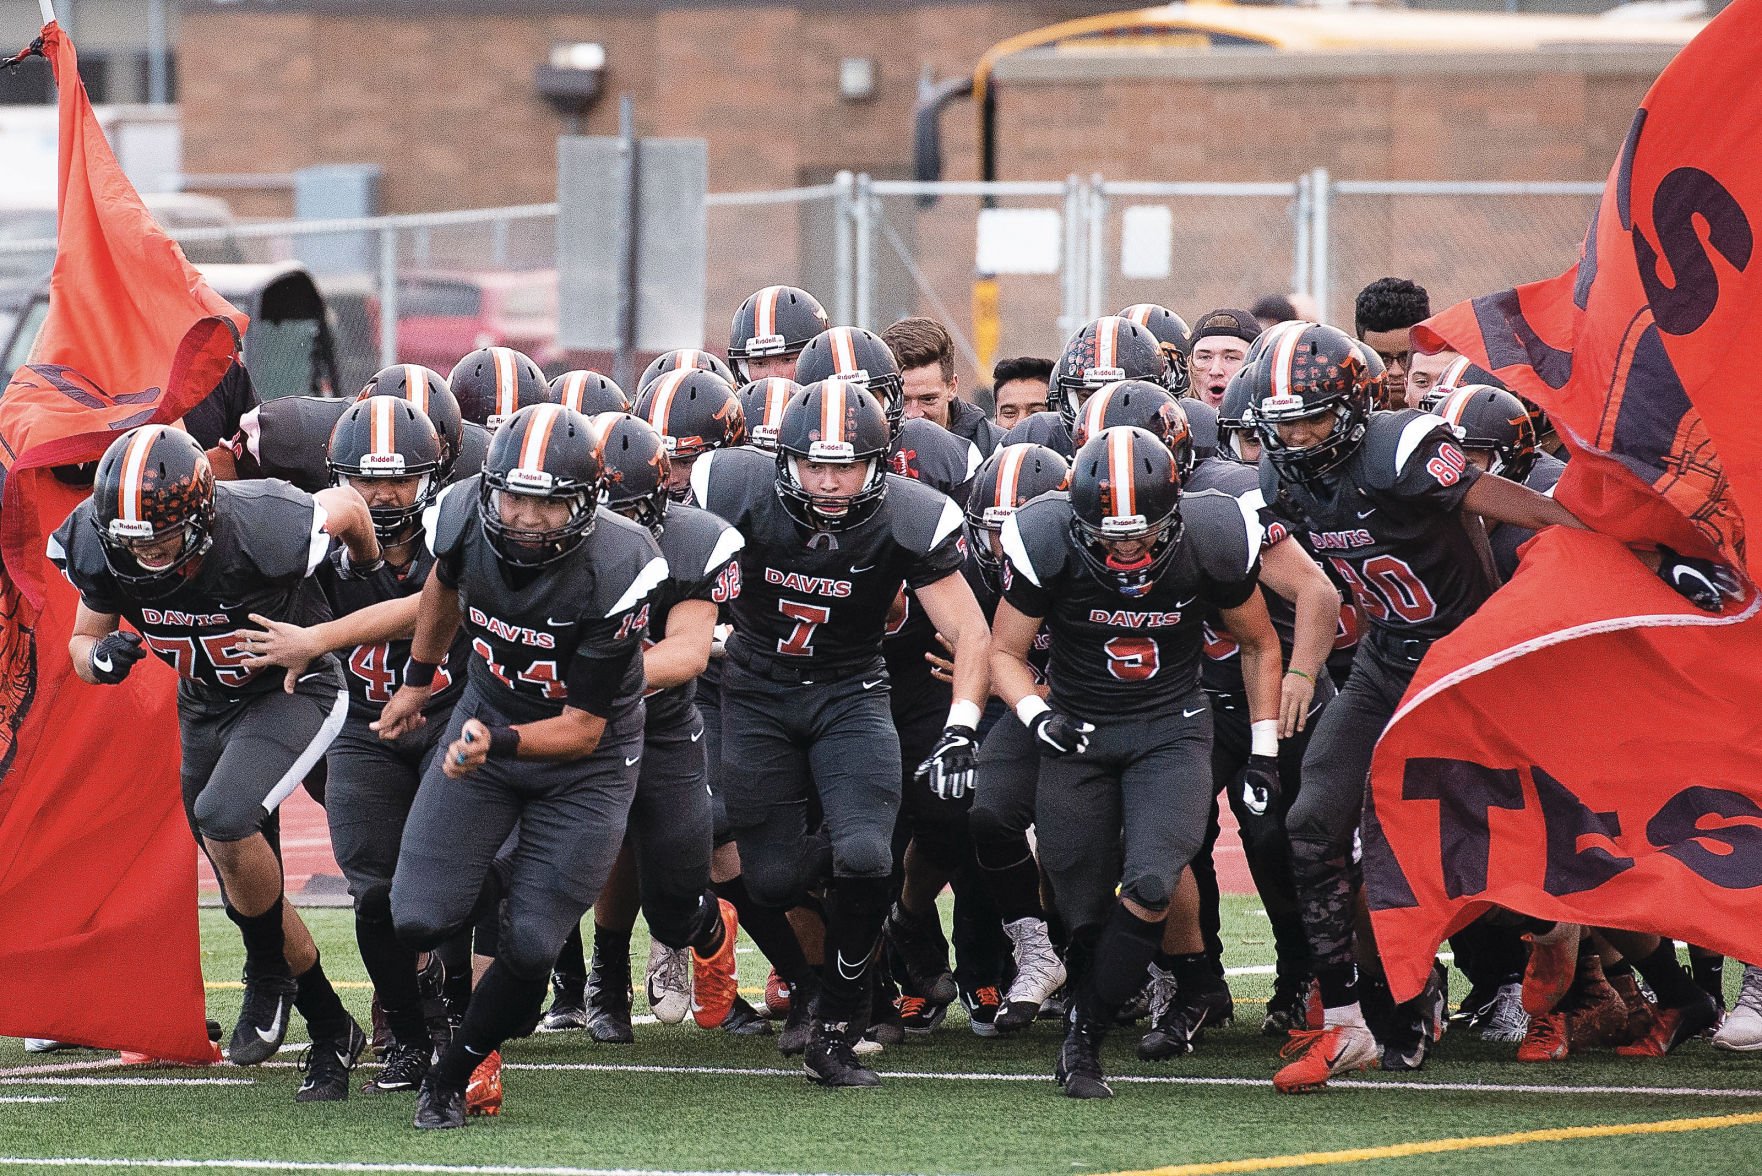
(1170, 330)
(763, 401)
(1103, 352)
(1312, 373)
(1143, 405)
(684, 357)
(1377, 373)
(634, 467)
(1235, 415)
(1004, 481)
(494, 383)
(152, 484)
(774, 323)
(694, 411)
(542, 451)
(1124, 486)
(385, 438)
(1494, 421)
(1263, 342)
(832, 422)
(859, 357)
(589, 393)
(424, 388)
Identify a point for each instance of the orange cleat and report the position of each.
(1546, 1039)
(483, 1094)
(1323, 1053)
(1553, 965)
(1671, 1027)
(776, 996)
(714, 984)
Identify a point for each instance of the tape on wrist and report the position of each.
(419, 673)
(963, 714)
(1031, 708)
(504, 742)
(1263, 736)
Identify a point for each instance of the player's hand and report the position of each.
(467, 753)
(403, 713)
(949, 768)
(1704, 583)
(1060, 735)
(719, 641)
(941, 668)
(278, 643)
(1260, 793)
(1296, 693)
(114, 655)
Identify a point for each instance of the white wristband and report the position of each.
(1031, 707)
(964, 714)
(1263, 737)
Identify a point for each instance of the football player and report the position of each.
(763, 402)
(589, 393)
(681, 359)
(1119, 569)
(493, 383)
(769, 331)
(1171, 333)
(830, 535)
(188, 562)
(1219, 345)
(546, 738)
(1495, 431)
(694, 411)
(1103, 352)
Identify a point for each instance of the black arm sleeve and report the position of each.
(595, 679)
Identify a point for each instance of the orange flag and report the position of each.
(1587, 746)
(98, 935)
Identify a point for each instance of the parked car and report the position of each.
(442, 316)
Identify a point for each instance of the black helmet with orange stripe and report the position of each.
(1004, 481)
(494, 383)
(1235, 413)
(1106, 351)
(424, 388)
(859, 357)
(1313, 373)
(589, 393)
(385, 438)
(1125, 508)
(1144, 405)
(763, 401)
(1376, 375)
(1490, 420)
(1461, 373)
(774, 323)
(694, 411)
(542, 451)
(832, 422)
(1171, 334)
(635, 468)
(683, 359)
(151, 486)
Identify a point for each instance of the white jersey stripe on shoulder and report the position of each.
(700, 478)
(1016, 551)
(318, 542)
(646, 580)
(728, 543)
(1412, 435)
(948, 523)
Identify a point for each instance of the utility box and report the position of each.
(337, 191)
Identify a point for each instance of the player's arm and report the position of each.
(437, 623)
(1262, 662)
(953, 609)
(294, 647)
(572, 735)
(347, 520)
(1505, 501)
(1012, 636)
(101, 654)
(683, 652)
(1288, 570)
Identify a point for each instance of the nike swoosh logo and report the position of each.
(875, 683)
(1187, 714)
(696, 735)
(632, 761)
(102, 664)
(847, 973)
(1365, 514)
(274, 1030)
(864, 568)
(554, 623)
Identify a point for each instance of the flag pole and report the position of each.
(48, 7)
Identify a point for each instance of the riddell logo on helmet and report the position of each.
(760, 345)
(522, 479)
(1103, 375)
(383, 462)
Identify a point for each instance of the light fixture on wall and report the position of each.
(571, 80)
(856, 78)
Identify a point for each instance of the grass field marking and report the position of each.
(31, 1098)
(359, 1166)
(125, 1080)
(1426, 1147)
(62, 1067)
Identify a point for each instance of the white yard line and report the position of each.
(352, 1166)
(123, 1080)
(31, 1098)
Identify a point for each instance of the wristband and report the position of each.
(419, 673)
(504, 743)
(963, 714)
(1301, 674)
(1030, 708)
(1263, 737)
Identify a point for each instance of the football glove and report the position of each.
(949, 768)
(1060, 735)
(1702, 582)
(114, 655)
(1259, 790)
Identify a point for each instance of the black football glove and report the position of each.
(1702, 582)
(949, 768)
(1060, 735)
(1259, 791)
(115, 655)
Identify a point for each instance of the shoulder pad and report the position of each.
(921, 515)
(74, 548)
(1036, 538)
(696, 542)
(1390, 441)
(1226, 531)
(724, 480)
(279, 526)
(940, 458)
(473, 449)
(445, 520)
(627, 564)
(292, 439)
(1545, 474)
(1043, 428)
(1231, 477)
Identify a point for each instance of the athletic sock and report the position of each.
(1670, 981)
(392, 968)
(1122, 960)
(572, 960)
(502, 1005)
(1339, 986)
(612, 944)
(264, 943)
(768, 927)
(1192, 973)
(1015, 886)
(856, 910)
(319, 1004)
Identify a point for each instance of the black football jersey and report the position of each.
(1043, 428)
(526, 627)
(816, 602)
(268, 541)
(702, 564)
(1505, 538)
(932, 455)
(1389, 525)
(988, 592)
(1221, 671)
(289, 438)
(1128, 655)
(375, 672)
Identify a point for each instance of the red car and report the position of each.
(442, 316)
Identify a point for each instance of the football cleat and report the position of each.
(47, 1045)
(1638, 999)
(798, 1026)
(608, 1001)
(1039, 973)
(776, 996)
(1183, 1021)
(918, 1016)
(1503, 1019)
(263, 1019)
(715, 986)
(982, 1005)
(1595, 1012)
(1741, 1031)
(569, 1004)
(1079, 1059)
(922, 949)
(327, 1064)
(830, 1059)
(1322, 1054)
(483, 1094)
(1416, 1025)
(669, 982)
(1286, 1010)
(439, 1108)
(404, 1070)
(381, 1037)
(1552, 965)
(1548, 1039)
(1671, 1027)
(745, 1021)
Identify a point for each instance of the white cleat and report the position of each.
(669, 983)
(1742, 1030)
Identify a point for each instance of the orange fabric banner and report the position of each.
(1587, 747)
(98, 935)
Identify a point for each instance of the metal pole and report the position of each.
(1300, 216)
(388, 297)
(624, 353)
(47, 7)
(1097, 260)
(1070, 279)
(863, 229)
(843, 185)
(1320, 278)
(158, 50)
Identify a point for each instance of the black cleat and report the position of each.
(439, 1108)
(744, 1021)
(831, 1060)
(1288, 1010)
(327, 1064)
(922, 949)
(608, 1002)
(569, 1006)
(404, 1069)
(798, 1026)
(1177, 1031)
(1079, 1060)
(263, 1019)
